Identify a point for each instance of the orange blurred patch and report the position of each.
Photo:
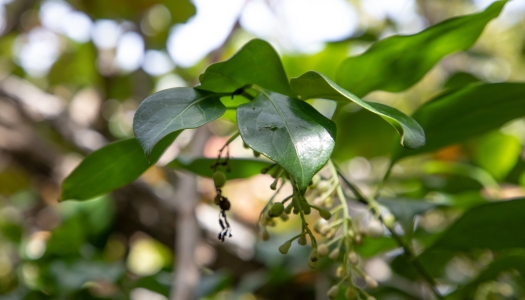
(450, 153)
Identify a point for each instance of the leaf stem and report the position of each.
(409, 253)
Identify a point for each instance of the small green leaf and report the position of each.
(256, 63)
(316, 85)
(288, 131)
(110, 167)
(240, 167)
(396, 63)
(496, 225)
(455, 116)
(498, 153)
(171, 110)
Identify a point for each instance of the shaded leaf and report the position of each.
(458, 115)
(255, 63)
(240, 167)
(110, 167)
(316, 85)
(171, 110)
(491, 272)
(397, 62)
(496, 225)
(288, 131)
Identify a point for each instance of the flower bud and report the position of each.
(371, 283)
(389, 220)
(284, 217)
(302, 240)
(265, 235)
(334, 255)
(219, 178)
(333, 291)
(276, 210)
(375, 229)
(350, 293)
(340, 272)
(323, 250)
(285, 247)
(256, 154)
(353, 258)
(325, 214)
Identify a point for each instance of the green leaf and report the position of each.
(496, 225)
(316, 85)
(458, 115)
(288, 131)
(497, 153)
(172, 110)
(396, 63)
(110, 167)
(256, 63)
(240, 167)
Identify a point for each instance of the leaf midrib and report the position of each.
(287, 130)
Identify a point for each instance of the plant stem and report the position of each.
(407, 250)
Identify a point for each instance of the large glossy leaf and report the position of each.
(171, 110)
(255, 63)
(288, 131)
(316, 85)
(496, 225)
(397, 62)
(461, 114)
(110, 167)
(240, 167)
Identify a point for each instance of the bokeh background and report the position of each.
(72, 74)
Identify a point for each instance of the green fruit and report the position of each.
(276, 210)
(325, 214)
(313, 260)
(219, 178)
(285, 247)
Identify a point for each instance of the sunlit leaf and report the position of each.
(171, 110)
(458, 115)
(288, 131)
(497, 153)
(110, 167)
(316, 85)
(255, 63)
(240, 167)
(397, 62)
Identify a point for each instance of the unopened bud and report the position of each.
(340, 272)
(333, 291)
(323, 250)
(325, 214)
(389, 220)
(375, 229)
(302, 240)
(276, 210)
(265, 235)
(350, 293)
(285, 247)
(313, 260)
(371, 283)
(353, 258)
(334, 255)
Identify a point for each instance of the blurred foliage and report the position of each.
(458, 200)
